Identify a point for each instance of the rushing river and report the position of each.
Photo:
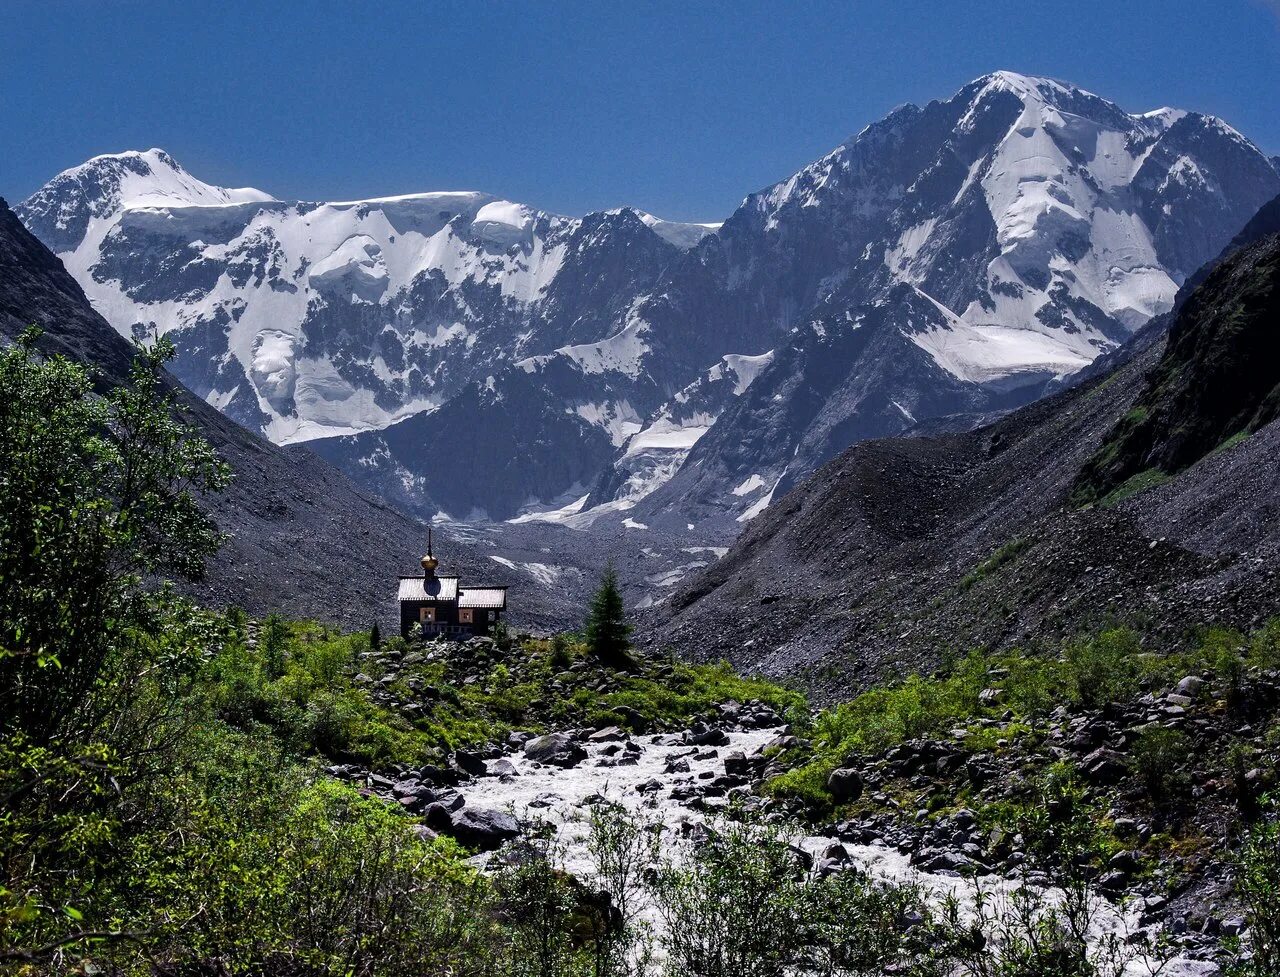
(561, 797)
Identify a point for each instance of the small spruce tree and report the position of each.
(375, 637)
(607, 628)
(274, 635)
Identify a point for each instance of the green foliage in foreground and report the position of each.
(1111, 666)
(169, 817)
(1258, 882)
(308, 687)
(160, 809)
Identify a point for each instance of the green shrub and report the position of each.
(1004, 554)
(560, 658)
(1258, 884)
(1105, 668)
(1156, 757)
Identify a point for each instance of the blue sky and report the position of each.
(680, 108)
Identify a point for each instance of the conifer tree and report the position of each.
(375, 637)
(607, 629)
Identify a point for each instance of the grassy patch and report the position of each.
(1150, 478)
(1084, 674)
(996, 560)
(1230, 442)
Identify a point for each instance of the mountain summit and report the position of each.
(950, 258)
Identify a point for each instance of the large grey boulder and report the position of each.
(555, 749)
(483, 829)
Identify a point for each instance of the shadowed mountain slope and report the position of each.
(1219, 378)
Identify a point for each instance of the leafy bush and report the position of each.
(1258, 883)
(744, 904)
(1105, 668)
(1157, 756)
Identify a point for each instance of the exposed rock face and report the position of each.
(481, 829)
(949, 258)
(1219, 376)
(845, 785)
(303, 540)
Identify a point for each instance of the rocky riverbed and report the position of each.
(681, 781)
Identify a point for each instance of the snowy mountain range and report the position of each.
(470, 355)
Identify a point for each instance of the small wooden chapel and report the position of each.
(435, 605)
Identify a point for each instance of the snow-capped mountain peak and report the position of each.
(949, 257)
(101, 187)
(683, 235)
(306, 319)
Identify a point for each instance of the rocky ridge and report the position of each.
(903, 549)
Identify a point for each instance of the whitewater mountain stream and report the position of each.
(562, 797)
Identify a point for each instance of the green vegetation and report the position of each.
(1143, 480)
(606, 629)
(163, 805)
(1258, 882)
(1088, 673)
(1156, 757)
(96, 493)
(139, 829)
(996, 560)
(1231, 442)
(744, 905)
(160, 808)
(310, 688)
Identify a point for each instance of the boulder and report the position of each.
(836, 852)
(438, 775)
(609, 734)
(1190, 686)
(1104, 766)
(1113, 883)
(702, 735)
(413, 788)
(469, 763)
(631, 718)
(423, 833)
(504, 768)
(481, 828)
(438, 817)
(845, 785)
(555, 749)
